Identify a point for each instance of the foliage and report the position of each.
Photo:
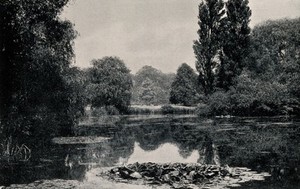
(236, 41)
(97, 112)
(104, 111)
(275, 56)
(257, 97)
(184, 87)
(147, 92)
(219, 103)
(111, 83)
(167, 109)
(251, 97)
(148, 72)
(142, 109)
(269, 83)
(111, 110)
(151, 86)
(37, 97)
(203, 110)
(274, 48)
(206, 48)
(76, 88)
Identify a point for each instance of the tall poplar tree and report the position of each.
(236, 41)
(206, 48)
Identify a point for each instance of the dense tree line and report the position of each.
(111, 86)
(40, 94)
(269, 81)
(243, 72)
(260, 76)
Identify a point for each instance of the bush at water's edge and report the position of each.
(237, 103)
(164, 109)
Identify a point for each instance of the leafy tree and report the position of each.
(250, 97)
(253, 96)
(76, 80)
(161, 84)
(147, 92)
(184, 87)
(206, 48)
(235, 47)
(36, 95)
(274, 56)
(274, 46)
(268, 84)
(148, 72)
(111, 83)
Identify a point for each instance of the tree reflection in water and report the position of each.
(258, 143)
(262, 144)
(165, 153)
(151, 135)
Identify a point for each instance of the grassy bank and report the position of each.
(161, 109)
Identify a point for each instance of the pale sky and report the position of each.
(159, 33)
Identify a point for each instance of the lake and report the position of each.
(268, 145)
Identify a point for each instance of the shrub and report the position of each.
(203, 110)
(139, 110)
(256, 97)
(219, 103)
(104, 111)
(96, 112)
(111, 110)
(167, 109)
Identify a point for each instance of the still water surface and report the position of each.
(262, 144)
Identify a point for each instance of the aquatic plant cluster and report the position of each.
(183, 175)
(56, 183)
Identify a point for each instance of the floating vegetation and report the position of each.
(183, 175)
(55, 183)
(79, 140)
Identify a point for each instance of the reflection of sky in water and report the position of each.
(166, 153)
(264, 147)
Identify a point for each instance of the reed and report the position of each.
(14, 152)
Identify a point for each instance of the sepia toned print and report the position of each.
(144, 94)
